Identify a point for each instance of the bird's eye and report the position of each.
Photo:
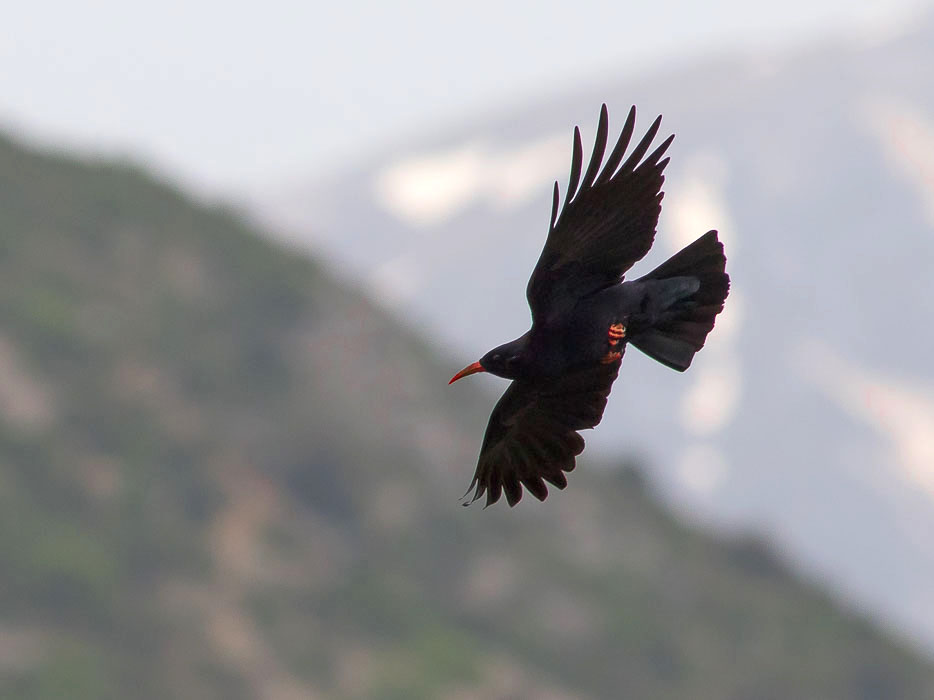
(496, 358)
(511, 362)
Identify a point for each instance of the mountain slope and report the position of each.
(810, 413)
(223, 475)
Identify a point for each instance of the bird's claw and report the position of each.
(616, 333)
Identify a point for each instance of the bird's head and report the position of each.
(507, 361)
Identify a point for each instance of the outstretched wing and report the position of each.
(532, 434)
(605, 225)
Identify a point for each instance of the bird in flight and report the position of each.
(584, 315)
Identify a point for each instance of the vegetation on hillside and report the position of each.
(223, 475)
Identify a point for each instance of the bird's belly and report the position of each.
(594, 328)
(600, 323)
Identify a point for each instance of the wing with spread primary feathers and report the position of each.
(607, 222)
(532, 434)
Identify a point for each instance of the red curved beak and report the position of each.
(469, 369)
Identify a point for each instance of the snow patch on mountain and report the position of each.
(906, 136)
(700, 201)
(429, 188)
(900, 413)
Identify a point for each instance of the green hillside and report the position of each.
(223, 475)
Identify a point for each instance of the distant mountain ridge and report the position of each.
(224, 475)
(810, 415)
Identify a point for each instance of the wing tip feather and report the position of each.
(576, 164)
(555, 197)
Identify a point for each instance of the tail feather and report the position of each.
(682, 330)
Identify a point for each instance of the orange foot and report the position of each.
(616, 333)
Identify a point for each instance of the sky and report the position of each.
(230, 97)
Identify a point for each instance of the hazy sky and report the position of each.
(229, 97)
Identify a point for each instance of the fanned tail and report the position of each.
(699, 272)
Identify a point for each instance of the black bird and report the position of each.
(584, 315)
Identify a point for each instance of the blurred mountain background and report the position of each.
(810, 415)
(226, 475)
(229, 457)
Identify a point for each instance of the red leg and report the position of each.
(616, 333)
